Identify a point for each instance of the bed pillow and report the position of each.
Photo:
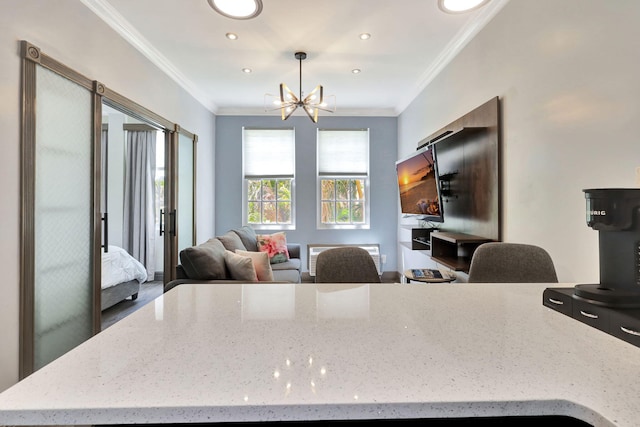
(248, 237)
(205, 261)
(240, 267)
(260, 263)
(231, 241)
(275, 245)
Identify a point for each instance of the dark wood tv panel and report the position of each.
(469, 169)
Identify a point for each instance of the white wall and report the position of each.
(566, 72)
(73, 35)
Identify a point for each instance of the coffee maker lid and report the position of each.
(612, 209)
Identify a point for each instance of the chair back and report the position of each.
(346, 264)
(500, 262)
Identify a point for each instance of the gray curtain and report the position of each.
(139, 198)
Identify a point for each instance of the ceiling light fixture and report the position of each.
(356, 71)
(247, 70)
(237, 9)
(460, 6)
(365, 36)
(287, 102)
(231, 36)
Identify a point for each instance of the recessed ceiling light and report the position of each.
(460, 6)
(365, 36)
(231, 36)
(237, 9)
(356, 71)
(247, 70)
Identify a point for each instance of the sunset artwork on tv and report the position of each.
(418, 185)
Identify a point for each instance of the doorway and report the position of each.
(132, 205)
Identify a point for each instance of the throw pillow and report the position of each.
(231, 241)
(205, 261)
(248, 237)
(260, 263)
(240, 267)
(275, 245)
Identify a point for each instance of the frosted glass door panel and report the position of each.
(63, 307)
(185, 192)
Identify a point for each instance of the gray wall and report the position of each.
(567, 76)
(384, 192)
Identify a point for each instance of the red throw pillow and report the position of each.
(275, 245)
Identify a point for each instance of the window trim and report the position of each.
(336, 226)
(343, 175)
(263, 226)
(245, 185)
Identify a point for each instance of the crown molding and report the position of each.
(340, 112)
(120, 25)
(453, 48)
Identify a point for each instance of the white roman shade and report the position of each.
(343, 152)
(268, 153)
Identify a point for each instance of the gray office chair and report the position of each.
(346, 264)
(499, 262)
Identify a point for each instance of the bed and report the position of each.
(122, 275)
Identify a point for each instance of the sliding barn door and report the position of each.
(59, 223)
(180, 228)
(61, 229)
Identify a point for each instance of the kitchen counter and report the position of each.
(233, 352)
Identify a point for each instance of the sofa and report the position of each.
(239, 255)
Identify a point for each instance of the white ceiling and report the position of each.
(411, 40)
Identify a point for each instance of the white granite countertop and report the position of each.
(231, 352)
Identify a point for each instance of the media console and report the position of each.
(455, 250)
(420, 238)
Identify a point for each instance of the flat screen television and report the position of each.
(418, 185)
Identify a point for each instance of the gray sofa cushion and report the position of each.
(205, 261)
(231, 241)
(290, 264)
(248, 237)
(291, 276)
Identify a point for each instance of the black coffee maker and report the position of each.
(615, 214)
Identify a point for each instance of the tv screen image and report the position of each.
(418, 185)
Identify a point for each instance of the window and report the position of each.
(343, 178)
(268, 170)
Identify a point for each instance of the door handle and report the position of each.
(105, 228)
(161, 222)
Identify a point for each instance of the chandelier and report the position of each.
(287, 102)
